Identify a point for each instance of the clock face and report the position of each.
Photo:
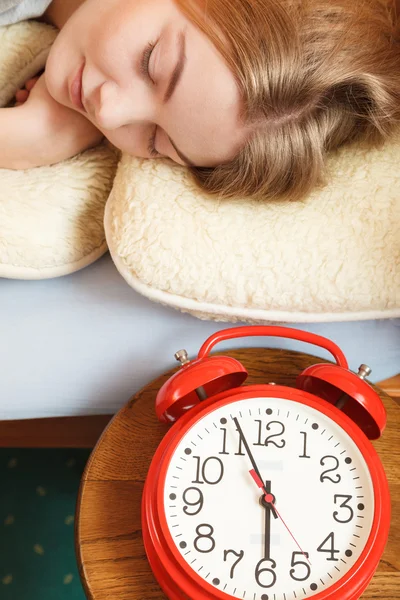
(295, 537)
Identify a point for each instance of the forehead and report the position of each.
(203, 116)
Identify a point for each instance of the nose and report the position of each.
(112, 107)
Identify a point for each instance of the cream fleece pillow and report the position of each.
(51, 218)
(333, 257)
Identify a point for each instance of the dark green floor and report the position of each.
(38, 490)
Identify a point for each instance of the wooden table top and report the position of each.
(111, 556)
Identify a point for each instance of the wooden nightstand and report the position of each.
(109, 545)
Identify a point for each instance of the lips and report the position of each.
(75, 90)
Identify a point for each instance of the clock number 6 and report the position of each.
(294, 563)
(260, 570)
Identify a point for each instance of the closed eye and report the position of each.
(151, 148)
(145, 71)
(145, 60)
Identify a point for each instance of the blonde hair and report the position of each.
(313, 75)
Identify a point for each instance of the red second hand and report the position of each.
(270, 499)
(297, 543)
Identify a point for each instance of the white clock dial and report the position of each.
(322, 489)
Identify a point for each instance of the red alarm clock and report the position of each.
(266, 492)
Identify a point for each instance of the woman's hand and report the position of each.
(22, 95)
(40, 131)
(62, 131)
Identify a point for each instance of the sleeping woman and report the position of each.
(250, 95)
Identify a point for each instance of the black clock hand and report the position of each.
(269, 498)
(267, 532)
(245, 444)
(251, 457)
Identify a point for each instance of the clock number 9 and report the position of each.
(186, 499)
(260, 570)
(294, 563)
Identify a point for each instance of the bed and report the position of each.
(83, 344)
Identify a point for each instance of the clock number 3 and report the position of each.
(345, 505)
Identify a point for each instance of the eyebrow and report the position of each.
(173, 82)
(179, 67)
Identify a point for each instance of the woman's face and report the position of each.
(150, 81)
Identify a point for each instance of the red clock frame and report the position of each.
(174, 575)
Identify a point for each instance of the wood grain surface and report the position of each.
(109, 546)
(53, 432)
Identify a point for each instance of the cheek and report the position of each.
(62, 60)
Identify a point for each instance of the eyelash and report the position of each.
(144, 63)
(144, 68)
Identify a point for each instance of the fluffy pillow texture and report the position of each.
(333, 257)
(51, 218)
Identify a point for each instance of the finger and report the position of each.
(31, 83)
(21, 95)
